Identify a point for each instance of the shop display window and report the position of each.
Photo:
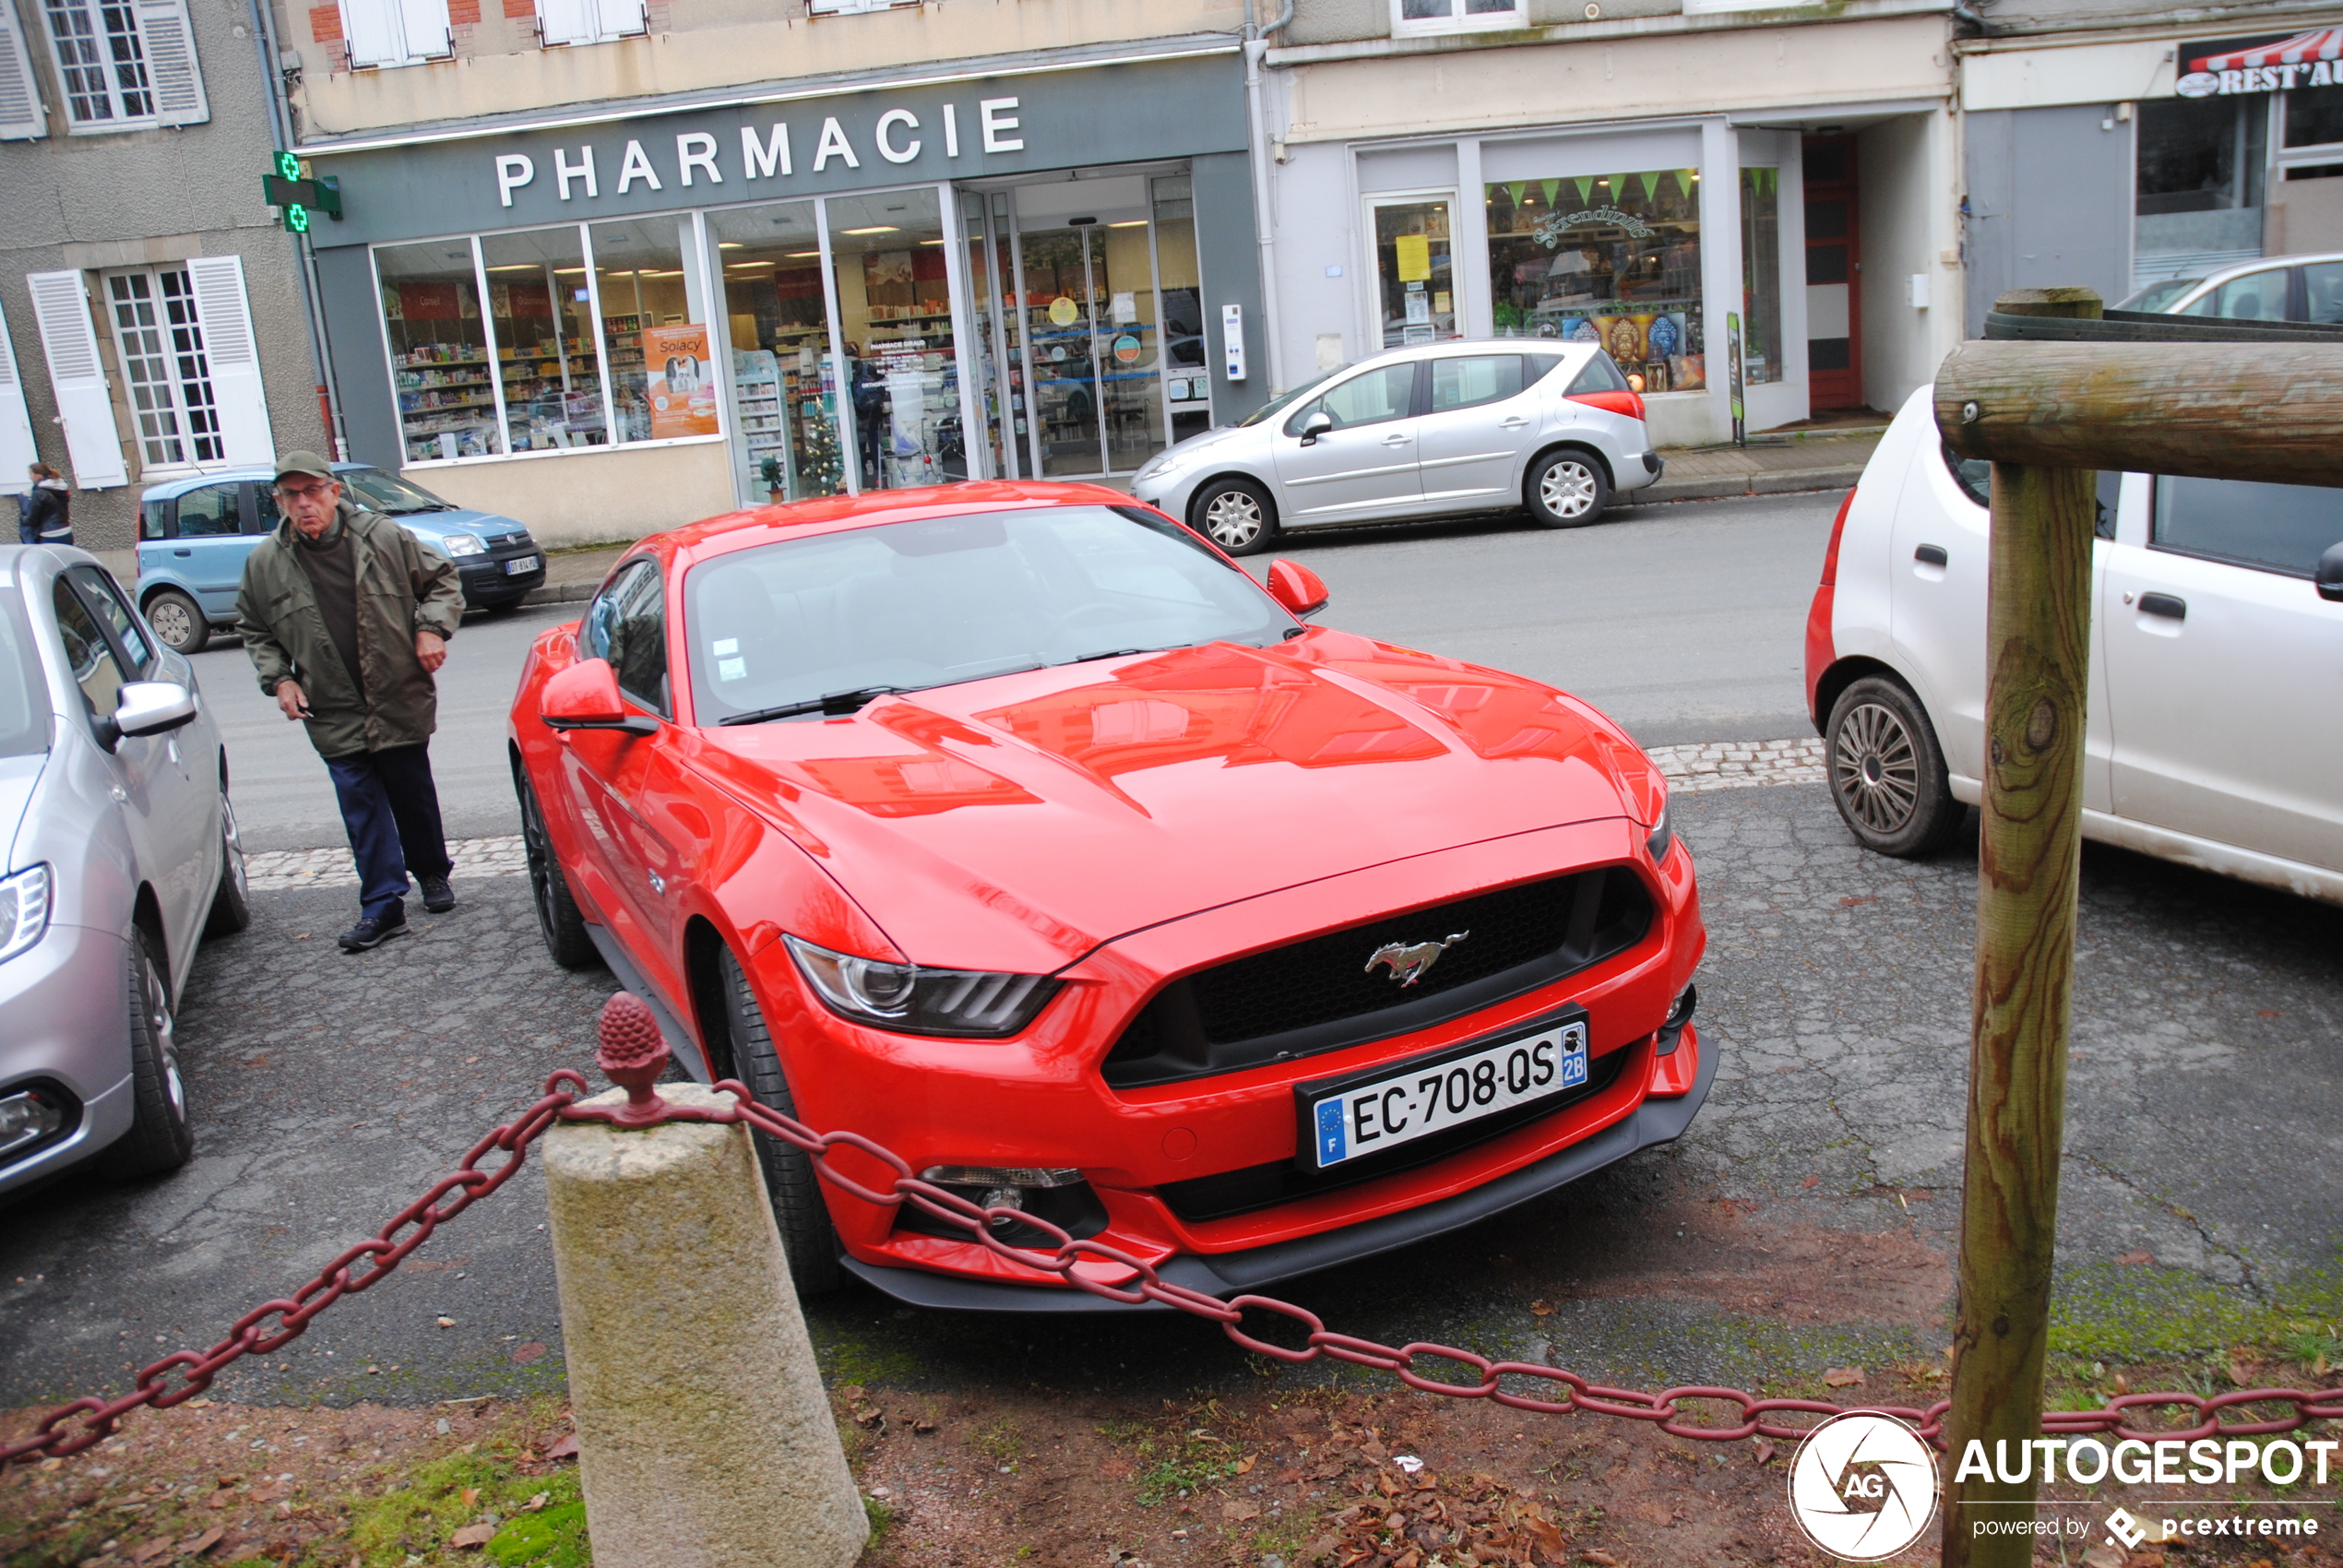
(648, 287)
(1415, 271)
(1761, 343)
(1604, 258)
(785, 376)
(2200, 155)
(1186, 359)
(894, 313)
(2313, 117)
(438, 350)
(548, 357)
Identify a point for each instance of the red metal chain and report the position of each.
(634, 1057)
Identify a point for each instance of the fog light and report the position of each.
(26, 1119)
(999, 1176)
(1005, 1197)
(1679, 1015)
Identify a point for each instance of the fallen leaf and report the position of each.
(536, 1502)
(151, 1551)
(1600, 1559)
(1766, 1452)
(1239, 1511)
(2243, 1375)
(2269, 1012)
(2135, 1258)
(474, 1535)
(197, 1546)
(1539, 1309)
(525, 1354)
(922, 1425)
(471, 1496)
(1245, 1466)
(563, 1447)
(1844, 1377)
(1812, 1181)
(1850, 902)
(447, 1322)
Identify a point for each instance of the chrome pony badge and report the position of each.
(1409, 965)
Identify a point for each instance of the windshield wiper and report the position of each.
(834, 703)
(1110, 653)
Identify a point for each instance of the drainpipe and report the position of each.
(1257, 44)
(264, 34)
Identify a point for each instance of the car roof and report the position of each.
(1451, 347)
(164, 490)
(2220, 275)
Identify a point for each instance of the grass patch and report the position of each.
(420, 1514)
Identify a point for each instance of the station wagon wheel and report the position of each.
(179, 621)
(159, 1138)
(558, 918)
(1566, 490)
(1888, 773)
(1235, 514)
(232, 901)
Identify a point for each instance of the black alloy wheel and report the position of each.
(1888, 773)
(558, 918)
(232, 902)
(179, 621)
(159, 1138)
(800, 1209)
(1236, 515)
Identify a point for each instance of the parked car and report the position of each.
(2217, 635)
(1457, 427)
(2279, 287)
(194, 533)
(122, 855)
(1013, 826)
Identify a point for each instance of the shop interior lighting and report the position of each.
(1130, 223)
(731, 244)
(801, 255)
(873, 228)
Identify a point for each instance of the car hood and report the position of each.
(1019, 821)
(1180, 453)
(19, 775)
(437, 526)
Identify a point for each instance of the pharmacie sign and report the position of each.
(2276, 61)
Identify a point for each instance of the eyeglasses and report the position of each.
(288, 492)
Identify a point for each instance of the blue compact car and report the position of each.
(194, 533)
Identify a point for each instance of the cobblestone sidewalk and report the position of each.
(1719, 764)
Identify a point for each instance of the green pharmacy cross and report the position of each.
(298, 197)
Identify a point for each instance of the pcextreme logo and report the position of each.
(1863, 1486)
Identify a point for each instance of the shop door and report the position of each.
(1094, 343)
(1834, 268)
(1415, 271)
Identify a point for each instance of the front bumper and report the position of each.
(66, 1003)
(488, 582)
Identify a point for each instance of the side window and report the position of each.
(1600, 375)
(1471, 380)
(1537, 367)
(152, 519)
(2273, 528)
(2257, 296)
(2323, 291)
(1975, 477)
(211, 511)
(1386, 394)
(87, 654)
(265, 516)
(104, 599)
(627, 624)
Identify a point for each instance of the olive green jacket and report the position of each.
(402, 590)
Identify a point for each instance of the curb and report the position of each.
(561, 593)
(1780, 481)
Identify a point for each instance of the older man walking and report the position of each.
(346, 617)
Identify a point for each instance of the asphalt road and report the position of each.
(1803, 1222)
(1684, 621)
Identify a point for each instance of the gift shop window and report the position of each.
(1415, 271)
(1761, 345)
(1604, 258)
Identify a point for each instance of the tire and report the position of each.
(558, 918)
(232, 904)
(808, 1238)
(1887, 773)
(1566, 490)
(179, 621)
(1236, 515)
(159, 1138)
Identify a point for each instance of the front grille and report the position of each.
(1318, 994)
(1282, 1181)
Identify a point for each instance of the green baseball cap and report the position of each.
(304, 463)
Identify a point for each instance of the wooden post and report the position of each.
(2038, 621)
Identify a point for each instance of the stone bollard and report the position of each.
(704, 1434)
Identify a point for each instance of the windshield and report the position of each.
(378, 491)
(1285, 400)
(905, 606)
(24, 704)
(2155, 296)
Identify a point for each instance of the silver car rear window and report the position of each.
(24, 712)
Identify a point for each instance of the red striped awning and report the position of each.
(2321, 43)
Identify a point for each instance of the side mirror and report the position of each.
(1317, 425)
(2329, 576)
(148, 708)
(585, 696)
(1298, 588)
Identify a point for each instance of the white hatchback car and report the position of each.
(1536, 425)
(2215, 730)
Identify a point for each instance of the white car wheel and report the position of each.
(1235, 515)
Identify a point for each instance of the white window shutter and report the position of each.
(21, 118)
(78, 376)
(18, 450)
(371, 29)
(621, 19)
(567, 21)
(171, 63)
(234, 358)
(425, 24)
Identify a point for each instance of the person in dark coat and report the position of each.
(42, 513)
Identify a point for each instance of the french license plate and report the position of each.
(526, 563)
(1386, 1108)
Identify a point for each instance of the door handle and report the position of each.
(1931, 555)
(1397, 440)
(1516, 423)
(183, 553)
(2169, 605)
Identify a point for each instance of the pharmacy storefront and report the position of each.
(610, 324)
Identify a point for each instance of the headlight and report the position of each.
(464, 544)
(26, 1118)
(1662, 836)
(911, 1000)
(24, 910)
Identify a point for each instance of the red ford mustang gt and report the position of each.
(1013, 826)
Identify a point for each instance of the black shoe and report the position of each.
(439, 897)
(371, 932)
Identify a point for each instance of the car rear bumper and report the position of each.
(68, 1031)
(1228, 1273)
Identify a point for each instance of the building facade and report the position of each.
(2119, 148)
(1675, 178)
(155, 327)
(612, 270)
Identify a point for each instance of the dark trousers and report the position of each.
(391, 810)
